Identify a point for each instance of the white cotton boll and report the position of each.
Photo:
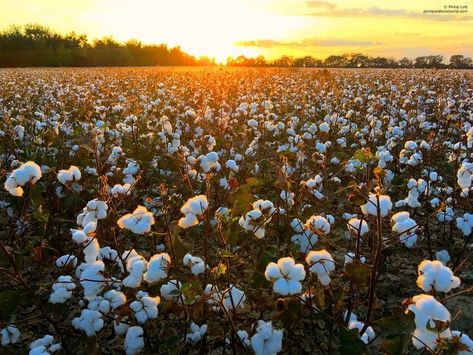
(305, 240)
(322, 264)
(297, 225)
(145, 307)
(223, 183)
(91, 251)
(318, 223)
(195, 263)
(107, 253)
(196, 333)
(324, 127)
(233, 297)
(158, 267)
(244, 337)
(435, 275)
(465, 224)
(116, 298)
(189, 220)
(139, 222)
(118, 190)
(446, 216)
(286, 276)
(443, 256)
(267, 340)
(89, 321)
(427, 310)
(62, 290)
(44, 346)
(357, 227)
(69, 175)
(92, 279)
(370, 208)
(232, 165)
(195, 206)
(171, 291)
(66, 260)
(120, 326)
(369, 333)
(254, 222)
(9, 335)
(134, 341)
(405, 227)
(349, 257)
(465, 178)
(287, 197)
(136, 270)
(29, 172)
(99, 304)
(465, 341)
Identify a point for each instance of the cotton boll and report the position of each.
(233, 297)
(318, 223)
(465, 178)
(120, 325)
(405, 227)
(357, 227)
(434, 275)
(89, 321)
(196, 333)
(195, 206)
(158, 267)
(305, 240)
(371, 206)
(116, 298)
(136, 268)
(66, 260)
(9, 335)
(118, 190)
(443, 256)
(145, 307)
(369, 333)
(62, 290)
(134, 341)
(171, 291)
(107, 253)
(91, 250)
(232, 165)
(195, 263)
(139, 222)
(446, 216)
(322, 264)
(92, 279)
(465, 224)
(267, 340)
(465, 342)
(69, 175)
(286, 275)
(29, 172)
(44, 346)
(349, 257)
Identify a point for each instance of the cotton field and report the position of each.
(236, 211)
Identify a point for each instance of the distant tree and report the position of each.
(406, 63)
(430, 61)
(307, 62)
(458, 61)
(335, 61)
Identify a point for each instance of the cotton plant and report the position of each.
(120, 190)
(350, 256)
(286, 276)
(322, 264)
(136, 267)
(433, 275)
(194, 207)
(139, 222)
(405, 227)
(92, 212)
(27, 173)
(266, 340)
(66, 260)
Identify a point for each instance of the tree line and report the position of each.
(37, 46)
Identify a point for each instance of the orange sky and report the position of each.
(220, 28)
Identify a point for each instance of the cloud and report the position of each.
(321, 4)
(308, 42)
(382, 12)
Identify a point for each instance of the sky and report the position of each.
(221, 28)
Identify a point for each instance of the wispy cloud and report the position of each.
(308, 42)
(334, 11)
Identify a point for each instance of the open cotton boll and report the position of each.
(254, 221)
(465, 341)
(465, 178)
(233, 297)
(297, 225)
(89, 321)
(118, 190)
(369, 333)
(66, 260)
(91, 250)
(465, 224)
(406, 228)
(322, 264)
(446, 215)
(158, 267)
(370, 208)
(44, 346)
(435, 275)
(195, 206)
(99, 304)
(107, 253)
(92, 279)
(66, 176)
(427, 310)
(305, 240)
(145, 307)
(9, 335)
(266, 340)
(116, 298)
(171, 291)
(196, 333)
(318, 223)
(29, 172)
(139, 222)
(232, 165)
(357, 227)
(136, 267)
(286, 276)
(195, 263)
(62, 290)
(349, 257)
(443, 256)
(134, 341)
(189, 220)
(81, 236)
(120, 325)
(94, 210)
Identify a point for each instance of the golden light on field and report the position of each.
(221, 28)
